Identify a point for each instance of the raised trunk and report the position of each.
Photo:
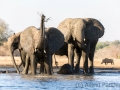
(42, 33)
(13, 61)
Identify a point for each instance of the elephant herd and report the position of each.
(73, 36)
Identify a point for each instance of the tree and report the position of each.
(101, 45)
(4, 31)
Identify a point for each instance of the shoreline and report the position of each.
(5, 61)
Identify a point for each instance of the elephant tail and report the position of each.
(14, 63)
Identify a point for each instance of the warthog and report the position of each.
(106, 61)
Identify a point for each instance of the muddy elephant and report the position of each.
(66, 69)
(41, 42)
(107, 60)
(82, 35)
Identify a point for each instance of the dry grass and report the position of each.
(6, 61)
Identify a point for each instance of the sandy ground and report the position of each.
(6, 61)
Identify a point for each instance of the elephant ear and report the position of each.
(65, 27)
(15, 38)
(55, 39)
(28, 39)
(94, 29)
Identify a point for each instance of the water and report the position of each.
(102, 79)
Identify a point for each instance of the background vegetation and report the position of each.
(108, 49)
(5, 32)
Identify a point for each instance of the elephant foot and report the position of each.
(76, 71)
(23, 72)
(42, 72)
(29, 72)
(85, 72)
(91, 70)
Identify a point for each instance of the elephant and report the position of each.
(106, 61)
(82, 35)
(13, 44)
(65, 69)
(40, 42)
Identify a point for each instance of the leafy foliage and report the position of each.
(4, 32)
(101, 45)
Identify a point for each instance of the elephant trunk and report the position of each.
(78, 29)
(41, 44)
(13, 60)
(80, 39)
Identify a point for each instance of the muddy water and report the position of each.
(102, 79)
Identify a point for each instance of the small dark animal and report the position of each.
(66, 69)
(106, 61)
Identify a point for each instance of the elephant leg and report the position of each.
(85, 54)
(20, 64)
(23, 57)
(47, 63)
(52, 64)
(33, 64)
(42, 67)
(78, 56)
(25, 71)
(71, 54)
(91, 56)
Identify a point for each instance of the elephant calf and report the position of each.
(106, 61)
(66, 69)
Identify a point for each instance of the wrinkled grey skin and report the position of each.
(13, 44)
(66, 69)
(82, 36)
(34, 42)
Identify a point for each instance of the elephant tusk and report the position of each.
(84, 39)
(73, 39)
(44, 51)
(35, 49)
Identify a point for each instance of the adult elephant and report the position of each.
(13, 44)
(82, 36)
(41, 42)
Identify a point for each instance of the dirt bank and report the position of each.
(6, 61)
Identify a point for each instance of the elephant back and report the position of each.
(55, 39)
(65, 27)
(94, 29)
(29, 39)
